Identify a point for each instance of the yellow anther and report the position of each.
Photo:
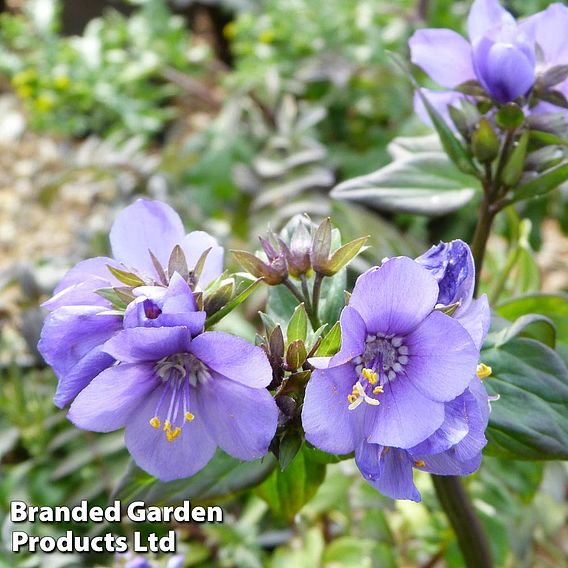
(352, 398)
(483, 371)
(419, 463)
(378, 390)
(167, 426)
(188, 416)
(171, 435)
(370, 375)
(155, 422)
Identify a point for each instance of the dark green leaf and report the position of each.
(542, 184)
(298, 326)
(330, 343)
(230, 306)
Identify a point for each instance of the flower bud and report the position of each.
(516, 164)
(274, 270)
(484, 142)
(509, 117)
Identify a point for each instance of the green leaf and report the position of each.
(298, 326)
(230, 306)
(553, 306)
(348, 551)
(286, 492)
(542, 184)
(289, 447)
(345, 254)
(330, 343)
(127, 278)
(332, 298)
(423, 184)
(530, 419)
(536, 326)
(516, 162)
(222, 476)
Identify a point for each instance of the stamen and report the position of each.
(188, 416)
(370, 375)
(483, 371)
(155, 422)
(167, 426)
(378, 390)
(419, 463)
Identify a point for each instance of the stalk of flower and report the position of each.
(179, 392)
(149, 246)
(400, 361)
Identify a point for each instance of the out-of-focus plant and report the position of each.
(111, 79)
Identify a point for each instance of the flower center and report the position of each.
(382, 361)
(178, 374)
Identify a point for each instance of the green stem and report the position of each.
(316, 292)
(467, 526)
(481, 235)
(306, 292)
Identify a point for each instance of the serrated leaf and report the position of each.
(127, 278)
(222, 476)
(421, 184)
(330, 343)
(298, 326)
(530, 419)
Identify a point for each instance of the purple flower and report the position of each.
(82, 321)
(499, 54)
(454, 449)
(179, 398)
(400, 362)
(453, 267)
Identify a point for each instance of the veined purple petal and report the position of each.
(405, 416)
(241, 420)
(108, 401)
(395, 297)
(167, 461)
(139, 344)
(194, 245)
(389, 470)
(485, 15)
(447, 464)
(475, 318)
(442, 357)
(505, 70)
(353, 335)
(92, 267)
(72, 382)
(233, 357)
(444, 55)
(328, 423)
(453, 430)
(71, 332)
(145, 225)
(548, 29)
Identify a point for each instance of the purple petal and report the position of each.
(505, 70)
(485, 15)
(241, 420)
(389, 470)
(444, 55)
(194, 245)
(395, 297)
(71, 332)
(106, 404)
(145, 225)
(442, 357)
(453, 430)
(405, 416)
(325, 417)
(452, 266)
(148, 343)
(233, 357)
(353, 335)
(476, 319)
(167, 461)
(447, 464)
(548, 29)
(80, 375)
(440, 100)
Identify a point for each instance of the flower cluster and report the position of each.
(126, 340)
(403, 391)
(503, 60)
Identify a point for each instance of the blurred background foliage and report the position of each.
(240, 113)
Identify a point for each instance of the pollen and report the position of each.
(419, 463)
(352, 398)
(155, 422)
(167, 426)
(483, 371)
(188, 416)
(370, 375)
(378, 390)
(171, 435)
